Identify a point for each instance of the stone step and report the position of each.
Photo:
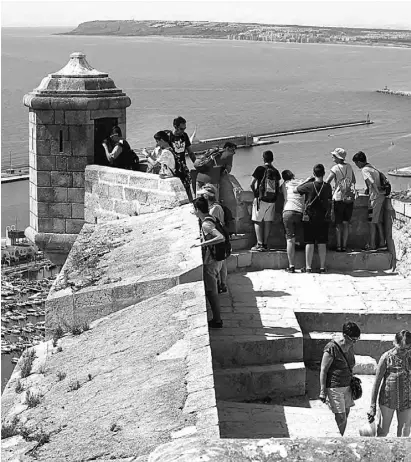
(373, 345)
(251, 350)
(258, 382)
(337, 261)
(239, 242)
(372, 322)
(258, 420)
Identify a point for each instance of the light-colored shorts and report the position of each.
(211, 273)
(377, 206)
(265, 212)
(340, 399)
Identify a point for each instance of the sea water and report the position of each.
(225, 88)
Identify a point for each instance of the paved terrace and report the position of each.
(273, 321)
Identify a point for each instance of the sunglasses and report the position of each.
(354, 340)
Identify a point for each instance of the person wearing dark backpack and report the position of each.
(343, 196)
(265, 186)
(210, 237)
(118, 151)
(375, 182)
(316, 216)
(209, 192)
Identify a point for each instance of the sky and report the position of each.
(366, 13)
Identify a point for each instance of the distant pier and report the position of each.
(394, 92)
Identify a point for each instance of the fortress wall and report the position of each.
(112, 193)
(401, 233)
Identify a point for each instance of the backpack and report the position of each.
(222, 250)
(345, 187)
(268, 188)
(206, 161)
(385, 184)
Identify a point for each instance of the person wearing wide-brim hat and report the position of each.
(343, 196)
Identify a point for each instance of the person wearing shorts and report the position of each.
(292, 214)
(376, 202)
(318, 196)
(335, 374)
(263, 213)
(342, 174)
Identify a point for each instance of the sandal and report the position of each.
(322, 270)
(306, 270)
(368, 247)
(290, 269)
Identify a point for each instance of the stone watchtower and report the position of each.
(70, 113)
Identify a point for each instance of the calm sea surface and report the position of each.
(225, 87)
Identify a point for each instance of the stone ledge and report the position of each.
(281, 449)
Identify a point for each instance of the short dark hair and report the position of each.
(178, 121)
(359, 157)
(116, 130)
(229, 145)
(162, 135)
(319, 170)
(201, 204)
(351, 329)
(403, 338)
(268, 156)
(287, 175)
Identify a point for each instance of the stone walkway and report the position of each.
(272, 305)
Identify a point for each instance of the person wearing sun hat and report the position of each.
(343, 196)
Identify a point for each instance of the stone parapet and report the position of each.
(112, 193)
(281, 449)
(401, 234)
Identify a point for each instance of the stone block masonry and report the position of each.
(112, 193)
(401, 234)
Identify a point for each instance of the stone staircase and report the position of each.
(276, 323)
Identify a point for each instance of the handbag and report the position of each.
(307, 209)
(355, 384)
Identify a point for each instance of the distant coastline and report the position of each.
(243, 31)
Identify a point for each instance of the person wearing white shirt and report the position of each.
(161, 160)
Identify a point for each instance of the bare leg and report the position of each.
(291, 251)
(309, 252)
(322, 252)
(338, 235)
(259, 231)
(223, 274)
(385, 421)
(345, 234)
(341, 420)
(267, 229)
(404, 423)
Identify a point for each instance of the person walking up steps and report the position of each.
(394, 371)
(265, 186)
(292, 214)
(316, 216)
(343, 196)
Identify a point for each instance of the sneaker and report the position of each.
(322, 270)
(215, 324)
(306, 270)
(222, 289)
(265, 248)
(258, 248)
(290, 269)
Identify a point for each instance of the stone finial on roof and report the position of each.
(78, 66)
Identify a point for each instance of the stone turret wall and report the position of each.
(113, 193)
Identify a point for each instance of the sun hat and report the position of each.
(339, 153)
(208, 189)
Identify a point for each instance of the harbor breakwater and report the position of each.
(394, 92)
(142, 371)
